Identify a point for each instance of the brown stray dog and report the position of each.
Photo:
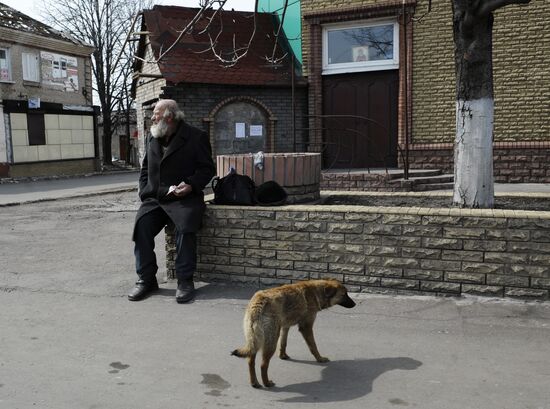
(272, 312)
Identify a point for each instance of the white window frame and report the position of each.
(377, 65)
(8, 63)
(31, 67)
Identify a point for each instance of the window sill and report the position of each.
(342, 70)
(27, 83)
(6, 82)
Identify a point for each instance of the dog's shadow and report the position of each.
(344, 380)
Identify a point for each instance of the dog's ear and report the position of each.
(330, 292)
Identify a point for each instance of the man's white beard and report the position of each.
(159, 130)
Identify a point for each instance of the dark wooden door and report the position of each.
(360, 119)
(123, 147)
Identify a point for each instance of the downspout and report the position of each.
(406, 91)
(293, 106)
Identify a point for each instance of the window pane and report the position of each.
(359, 44)
(30, 67)
(4, 65)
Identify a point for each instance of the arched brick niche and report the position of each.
(241, 125)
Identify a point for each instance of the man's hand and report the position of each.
(180, 190)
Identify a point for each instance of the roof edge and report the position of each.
(17, 37)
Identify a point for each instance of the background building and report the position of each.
(124, 137)
(403, 93)
(247, 107)
(373, 85)
(47, 121)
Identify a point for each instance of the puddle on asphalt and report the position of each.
(397, 401)
(118, 366)
(215, 382)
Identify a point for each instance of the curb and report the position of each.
(7, 181)
(71, 196)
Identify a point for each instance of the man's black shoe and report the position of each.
(185, 291)
(142, 290)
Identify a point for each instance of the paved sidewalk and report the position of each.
(53, 189)
(71, 340)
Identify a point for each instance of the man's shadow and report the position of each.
(344, 380)
(210, 292)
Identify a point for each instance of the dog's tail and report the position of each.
(253, 333)
(242, 352)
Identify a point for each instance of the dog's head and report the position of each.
(336, 293)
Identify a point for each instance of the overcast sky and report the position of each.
(30, 7)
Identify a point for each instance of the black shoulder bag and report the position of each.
(234, 189)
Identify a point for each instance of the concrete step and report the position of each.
(415, 173)
(423, 183)
(426, 183)
(422, 187)
(426, 180)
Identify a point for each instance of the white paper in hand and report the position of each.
(171, 190)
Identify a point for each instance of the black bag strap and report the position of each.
(215, 183)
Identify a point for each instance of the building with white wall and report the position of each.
(48, 125)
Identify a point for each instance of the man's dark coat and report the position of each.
(188, 158)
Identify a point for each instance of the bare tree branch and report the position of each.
(103, 24)
(488, 6)
(186, 30)
(230, 58)
(225, 57)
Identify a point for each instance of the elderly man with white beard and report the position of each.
(177, 166)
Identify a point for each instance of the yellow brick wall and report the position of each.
(433, 74)
(521, 57)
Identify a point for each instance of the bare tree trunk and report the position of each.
(103, 24)
(473, 37)
(474, 107)
(473, 170)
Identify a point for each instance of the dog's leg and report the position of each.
(306, 329)
(268, 349)
(266, 357)
(252, 371)
(283, 340)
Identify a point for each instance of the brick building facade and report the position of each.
(201, 102)
(247, 107)
(426, 100)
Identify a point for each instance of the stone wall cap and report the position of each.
(412, 210)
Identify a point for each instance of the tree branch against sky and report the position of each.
(104, 24)
(211, 25)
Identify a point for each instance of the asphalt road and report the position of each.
(69, 338)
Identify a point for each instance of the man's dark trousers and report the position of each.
(147, 228)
